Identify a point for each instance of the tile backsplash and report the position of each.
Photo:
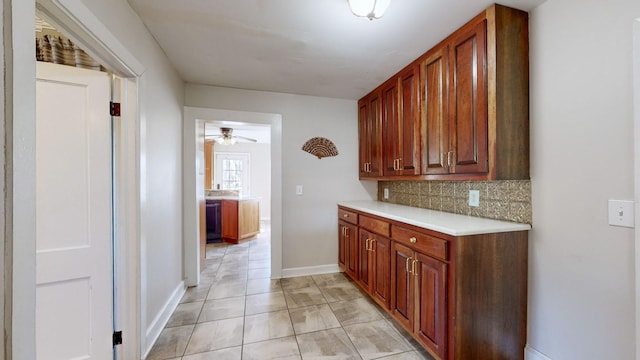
(508, 200)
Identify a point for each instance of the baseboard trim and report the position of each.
(154, 330)
(310, 270)
(533, 354)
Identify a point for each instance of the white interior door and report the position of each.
(74, 286)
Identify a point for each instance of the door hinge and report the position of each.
(117, 338)
(114, 108)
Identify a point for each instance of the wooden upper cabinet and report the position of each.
(370, 136)
(401, 124)
(435, 99)
(468, 100)
(461, 111)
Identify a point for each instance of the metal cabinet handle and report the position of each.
(372, 248)
(413, 267)
(407, 265)
(413, 240)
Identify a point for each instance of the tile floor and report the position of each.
(238, 312)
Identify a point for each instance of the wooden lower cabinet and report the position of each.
(461, 297)
(240, 219)
(373, 266)
(348, 248)
(431, 282)
(418, 298)
(402, 286)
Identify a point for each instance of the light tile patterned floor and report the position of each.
(238, 312)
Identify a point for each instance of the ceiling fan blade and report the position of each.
(245, 138)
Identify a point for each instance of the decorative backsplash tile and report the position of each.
(508, 200)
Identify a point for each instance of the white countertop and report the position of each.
(447, 223)
(231, 197)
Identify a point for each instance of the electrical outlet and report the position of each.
(385, 193)
(474, 198)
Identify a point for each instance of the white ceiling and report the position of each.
(309, 47)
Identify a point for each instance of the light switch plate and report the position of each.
(474, 198)
(621, 213)
(298, 189)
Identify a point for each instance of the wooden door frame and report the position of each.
(76, 20)
(193, 158)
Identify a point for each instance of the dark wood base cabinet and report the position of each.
(461, 297)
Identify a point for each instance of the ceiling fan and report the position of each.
(226, 137)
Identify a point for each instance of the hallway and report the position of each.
(238, 312)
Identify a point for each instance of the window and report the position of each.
(232, 172)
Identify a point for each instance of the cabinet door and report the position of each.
(342, 249)
(369, 136)
(230, 220)
(432, 295)
(351, 247)
(402, 285)
(365, 239)
(347, 248)
(409, 122)
(381, 277)
(391, 134)
(468, 100)
(436, 121)
(401, 124)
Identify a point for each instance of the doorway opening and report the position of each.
(194, 179)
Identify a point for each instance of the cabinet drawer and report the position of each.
(348, 216)
(375, 225)
(423, 243)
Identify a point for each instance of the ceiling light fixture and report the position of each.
(226, 140)
(371, 9)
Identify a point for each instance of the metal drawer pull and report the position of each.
(413, 240)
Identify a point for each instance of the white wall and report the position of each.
(581, 273)
(308, 221)
(260, 172)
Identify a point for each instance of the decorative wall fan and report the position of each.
(226, 137)
(320, 147)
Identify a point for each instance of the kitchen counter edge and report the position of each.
(231, 197)
(444, 222)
